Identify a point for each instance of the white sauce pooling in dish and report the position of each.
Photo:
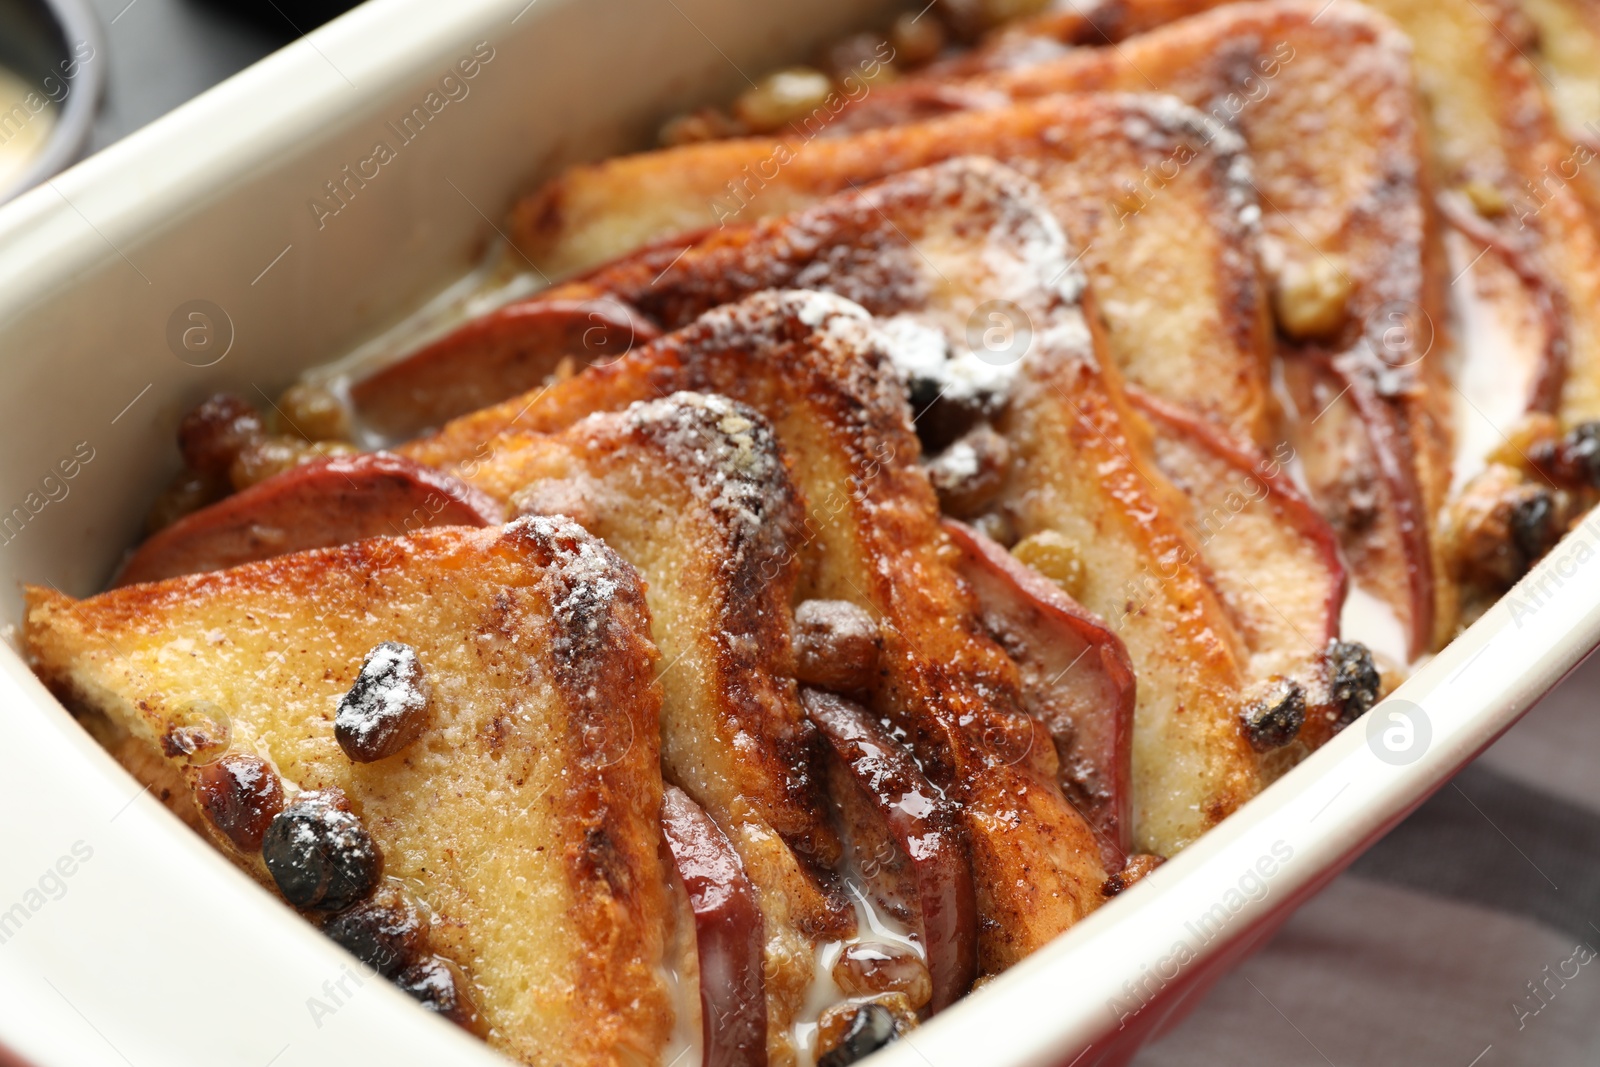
(873, 926)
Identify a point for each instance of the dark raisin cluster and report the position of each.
(319, 854)
(387, 707)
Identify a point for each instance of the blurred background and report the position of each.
(162, 52)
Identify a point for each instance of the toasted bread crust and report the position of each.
(536, 640)
(1494, 121)
(1075, 439)
(1356, 195)
(1271, 557)
(1121, 173)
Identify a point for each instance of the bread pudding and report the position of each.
(931, 492)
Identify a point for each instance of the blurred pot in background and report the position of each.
(52, 73)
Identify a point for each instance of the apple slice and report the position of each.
(1271, 556)
(506, 352)
(924, 826)
(727, 932)
(1538, 297)
(317, 505)
(1357, 458)
(1077, 679)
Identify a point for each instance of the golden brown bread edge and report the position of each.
(1205, 350)
(546, 886)
(1188, 321)
(693, 491)
(1075, 446)
(813, 365)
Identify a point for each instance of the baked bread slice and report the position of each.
(523, 821)
(693, 491)
(821, 374)
(905, 250)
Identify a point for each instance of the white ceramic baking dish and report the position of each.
(124, 939)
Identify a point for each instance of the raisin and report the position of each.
(1533, 524)
(439, 986)
(197, 733)
(1581, 452)
(781, 98)
(267, 457)
(1275, 720)
(970, 473)
(188, 492)
(213, 434)
(872, 1026)
(385, 932)
(916, 40)
(1356, 682)
(387, 707)
(240, 794)
(858, 60)
(837, 646)
(1572, 460)
(319, 854)
(311, 413)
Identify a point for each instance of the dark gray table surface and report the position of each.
(162, 52)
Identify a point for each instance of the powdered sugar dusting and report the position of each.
(729, 460)
(978, 232)
(380, 712)
(1165, 119)
(582, 571)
